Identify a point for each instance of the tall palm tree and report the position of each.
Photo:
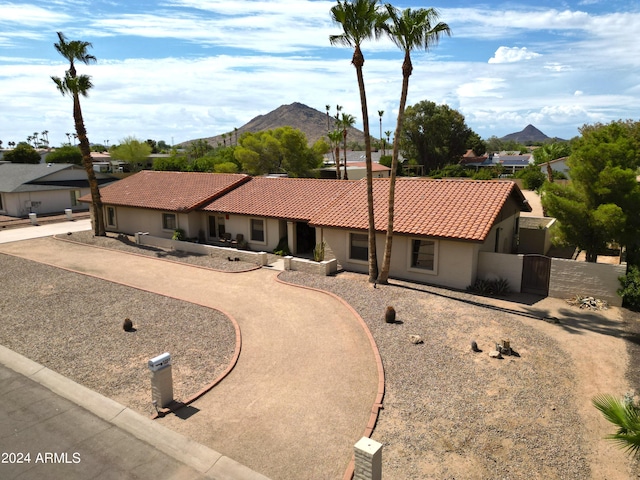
(361, 20)
(328, 107)
(408, 30)
(380, 114)
(334, 139)
(346, 121)
(75, 85)
(625, 414)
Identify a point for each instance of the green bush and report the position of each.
(318, 252)
(499, 287)
(630, 289)
(532, 177)
(283, 248)
(178, 234)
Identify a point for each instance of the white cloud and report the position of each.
(578, 93)
(513, 54)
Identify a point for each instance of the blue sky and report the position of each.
(177, 70)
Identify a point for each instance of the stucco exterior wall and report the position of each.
(455, 261)
(570, 278)
(492, 266)
(51, 201)
(236, 224)
(132, 220)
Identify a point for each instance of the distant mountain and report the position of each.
(529, 134)
(309, 120)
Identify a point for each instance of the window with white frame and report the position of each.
(257, 230)
(359, 246)
(111, 217)
(169, 221)
(424, 254)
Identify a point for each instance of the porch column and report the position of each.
(292, 239)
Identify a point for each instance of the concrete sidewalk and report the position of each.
(303, 389)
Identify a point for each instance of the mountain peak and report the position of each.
(528, 134)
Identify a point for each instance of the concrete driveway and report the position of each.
(303, 389)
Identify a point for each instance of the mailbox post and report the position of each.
(161, 380)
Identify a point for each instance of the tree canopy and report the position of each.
(22, 153)
(602, 202)
(283, 150)
(435, 135)
(131, 150)
(65, 154)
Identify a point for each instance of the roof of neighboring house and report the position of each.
(552, 162)
(278, 197)
(457, 209)
(27, 177)
(172, 191)
(375, 167)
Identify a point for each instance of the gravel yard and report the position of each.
(72, 324)
(449, 413)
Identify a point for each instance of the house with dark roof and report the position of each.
(440, 226)
(43, 188)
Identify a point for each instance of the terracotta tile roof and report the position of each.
(172, 191)
(287, 198)
(458, 209)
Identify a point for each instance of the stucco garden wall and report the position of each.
(570, 278)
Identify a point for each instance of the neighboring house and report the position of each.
(558, 165)
(440, 226)
(158, 203)
(357, 171)
(510, 163)
(43, 188)
(267, 209)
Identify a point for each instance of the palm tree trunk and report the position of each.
(336, 154)
(386, 260)
(344, 136)
(358, 62)
(96, 201)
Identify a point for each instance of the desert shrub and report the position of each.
(178, 234)
(490, 287)
(283, 247)
(630, 288)
(318, 252)
(532, 177)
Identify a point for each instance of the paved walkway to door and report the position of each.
(303, 389)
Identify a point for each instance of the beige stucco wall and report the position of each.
(132, 220)
(236, 224)
(570, 278)
(455, 261)
(492, 266)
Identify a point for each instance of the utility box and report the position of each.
(161, 380)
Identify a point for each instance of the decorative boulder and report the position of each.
(474, 346)
(127, 325)
(415, 339)
(495, 354)
(390, 315)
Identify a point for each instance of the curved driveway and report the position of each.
(302, 391)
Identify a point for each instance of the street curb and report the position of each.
(201, 458)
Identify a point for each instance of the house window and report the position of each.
(257, 230)
(111, 216)
(169, 221)
(423, 254)
(212, 226)
(359, 246)
(75, 196)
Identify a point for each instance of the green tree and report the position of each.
(76, 85)
(493, 144)
(65, 154)
(602, 202)
(282, 150)
(624, 414)
(408, 30)
(173, 163)
(132, 151)
(434, 135)
(361, 20)
(22, 153)
(334, 139)
(532, 177)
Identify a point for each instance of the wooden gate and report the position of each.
(536, 270)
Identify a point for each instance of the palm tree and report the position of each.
(68, 138)
(36, 140)
(380, 113)
(327, 108)
(45, 137)
(387, 133)
(334, 139)
(625, 414)
(408, 30)
(361, 20)
(346, 121)
(74, 86)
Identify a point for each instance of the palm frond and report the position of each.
(625, 415)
